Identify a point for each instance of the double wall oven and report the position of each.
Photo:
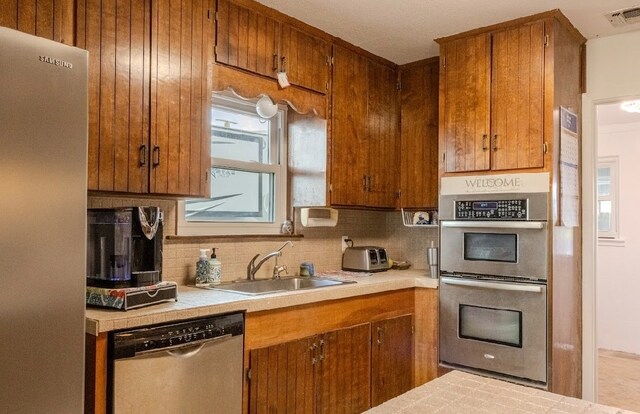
(493, 284)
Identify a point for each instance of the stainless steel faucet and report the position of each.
(253, 267)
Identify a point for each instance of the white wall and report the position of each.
(611, 74)
(618, 276)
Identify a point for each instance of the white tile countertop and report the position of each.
(463, 393)
(194, 302)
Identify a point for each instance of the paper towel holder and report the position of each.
(319, 217)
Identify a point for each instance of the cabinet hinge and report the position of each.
(444, 62)
(399, 86)
(330, 187)
(332, 61)
(248, 374)
(398, 194)
(326, 86)
(215, 51)
(545, 148)
(546, 40)
(329, 60)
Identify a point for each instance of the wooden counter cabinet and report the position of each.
(326, 373)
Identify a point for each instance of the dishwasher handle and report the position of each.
(186, 350)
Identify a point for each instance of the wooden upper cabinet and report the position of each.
(383, 136)
(517, 97)
(465, 103)
(180, 97)
(349, 151)
(365, 149)
(117, 36)
(148, 94)
(305, 58)
(391, 358)
(253, 41)
(492, 99)
(51, 19)
(246, 39)
(419, 134)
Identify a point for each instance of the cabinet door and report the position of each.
(419, 132)
(246, 39)
(349, 152)
(517, 97)
(182, 33)
(464, 103)
(117, 35)
(305, 58)
(391, 358)
(383, 136)
(282, 378)
(344, 383)
(51, 19)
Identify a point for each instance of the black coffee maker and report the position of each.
(124, 247)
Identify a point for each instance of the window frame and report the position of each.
(277, 167)
(613, 163)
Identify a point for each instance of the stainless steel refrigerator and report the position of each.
(43, 193)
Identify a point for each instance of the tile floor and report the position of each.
(619, 379)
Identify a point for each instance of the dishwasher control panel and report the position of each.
(171, 336)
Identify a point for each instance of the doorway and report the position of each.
(617, 289)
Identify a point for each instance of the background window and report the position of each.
(248, 173)
(607, 197)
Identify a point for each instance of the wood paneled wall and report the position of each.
(51, 19)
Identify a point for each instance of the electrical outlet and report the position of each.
(344, 243)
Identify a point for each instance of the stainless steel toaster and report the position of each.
(365, 259)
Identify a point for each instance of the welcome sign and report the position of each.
(503, 183)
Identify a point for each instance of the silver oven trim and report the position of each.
(493, 285)
(533, 225)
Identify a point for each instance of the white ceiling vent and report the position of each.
(624, 17)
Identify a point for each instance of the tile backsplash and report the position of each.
(320, 245)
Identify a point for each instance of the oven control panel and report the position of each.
(491, 210)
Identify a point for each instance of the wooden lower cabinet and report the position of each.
(326, 373)
(391, 358)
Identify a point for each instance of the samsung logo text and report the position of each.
(56, 62)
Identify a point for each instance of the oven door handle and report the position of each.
(534, 225)
(494, 286)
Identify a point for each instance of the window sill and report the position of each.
(611, 242)
(234, 237)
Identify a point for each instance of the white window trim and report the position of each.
(613, 163)
(279, 168)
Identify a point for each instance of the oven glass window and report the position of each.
(497, 326)
(491, 247)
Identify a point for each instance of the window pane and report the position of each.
(604, 181)
(236, 196)
(239, 136)
(604, 215)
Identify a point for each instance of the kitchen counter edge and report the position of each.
(194, 302)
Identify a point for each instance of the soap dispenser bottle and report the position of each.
(215, 268)
(202, 269)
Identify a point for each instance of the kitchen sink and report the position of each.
(285, 284)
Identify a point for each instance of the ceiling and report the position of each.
(611, 114)
(403, 30)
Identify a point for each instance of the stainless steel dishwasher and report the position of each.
(187, 367)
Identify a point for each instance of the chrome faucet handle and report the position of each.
(279, 269)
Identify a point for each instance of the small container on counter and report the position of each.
(215, 269)
(307, 269)
(202, 269)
